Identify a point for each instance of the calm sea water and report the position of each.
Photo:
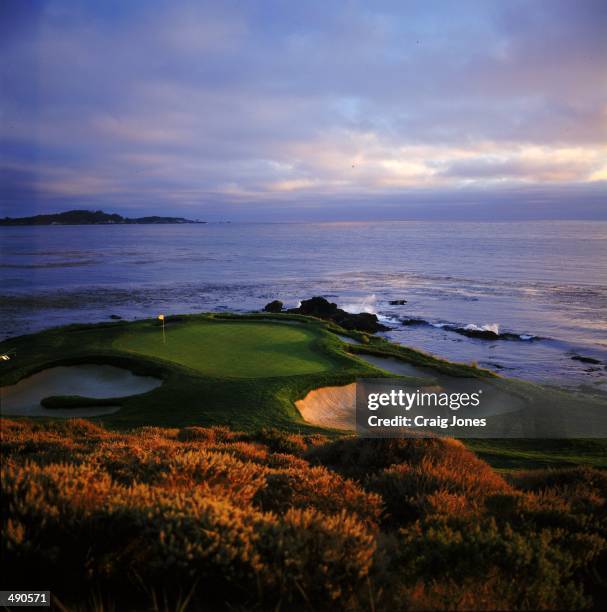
(543, 279)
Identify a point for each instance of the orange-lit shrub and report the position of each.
(319, 488)
(360, 457)
(433, 483)
(485, 565)
(277, 520)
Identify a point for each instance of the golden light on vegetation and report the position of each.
(274, 519)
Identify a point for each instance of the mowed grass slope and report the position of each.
(232, 349)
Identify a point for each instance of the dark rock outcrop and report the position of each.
(323, 309)
(483, 334)
(318, 307)
(414, 322)
(397, 302)
(363, 321)
(273, 306)
(584, 359)
(471, 332)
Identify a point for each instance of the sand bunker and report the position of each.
(88, 380)
(332, 407)
(335, 407)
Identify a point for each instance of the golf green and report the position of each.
(235, 349)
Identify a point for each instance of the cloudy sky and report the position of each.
(264, 110)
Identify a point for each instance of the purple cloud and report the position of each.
(212, 110)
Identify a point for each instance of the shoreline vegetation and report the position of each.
(212, 490)
(87, 217)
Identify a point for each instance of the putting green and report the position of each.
(239, 349)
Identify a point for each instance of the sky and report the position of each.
(295, 111)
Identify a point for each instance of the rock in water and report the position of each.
(584, 359)
(318, 307)
(363, 321)
(414, 321)
(323, 309)
(274, 306)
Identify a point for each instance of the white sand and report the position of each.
(332, 407)
(87, 380)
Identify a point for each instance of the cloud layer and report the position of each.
(305, 110)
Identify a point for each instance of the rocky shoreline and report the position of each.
(323, 309)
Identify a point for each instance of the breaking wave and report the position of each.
(489, 327)
(488, 331)
(366, 304)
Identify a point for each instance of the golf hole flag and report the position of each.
(164, 338)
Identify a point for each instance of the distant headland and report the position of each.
(89, 217)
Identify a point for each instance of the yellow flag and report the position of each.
(161, 317)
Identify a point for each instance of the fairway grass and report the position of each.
(232, 349)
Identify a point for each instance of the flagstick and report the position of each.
(164, 338)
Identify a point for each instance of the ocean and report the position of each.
(542, 286)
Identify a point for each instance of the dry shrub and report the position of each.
(485, 565)
(281, 441)
(284, 461)
(322, 557)
(155, 433)
(446, 504)
(209, 435)
(246, 521)
(73, 428)
(319, 488)
(76, 516)
(218, 474)
(360, 457)
(314, 440)
(562, 478)
(468, 593)
(245, 451)
(415, 476)
(455, 480)
(572, 500)
(76, 521)
(12, 428)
